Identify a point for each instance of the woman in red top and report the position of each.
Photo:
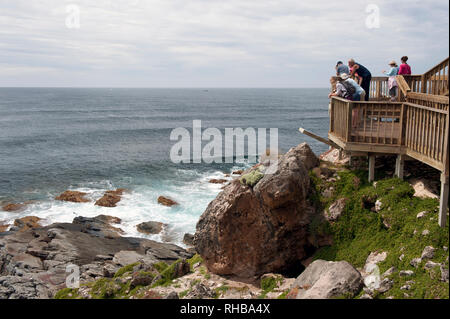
(404, 69)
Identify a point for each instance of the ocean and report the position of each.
(93, 140)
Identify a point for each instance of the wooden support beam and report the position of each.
(443, 202)
(371, 167)
(399, 166)
(319, 138)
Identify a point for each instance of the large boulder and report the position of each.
(248, 231)
(327, 279)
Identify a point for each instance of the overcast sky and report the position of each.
(212, 43)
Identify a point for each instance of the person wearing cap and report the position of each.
(392, 82)
(363, 73)
(341, 68)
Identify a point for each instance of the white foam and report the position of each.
(139, 205)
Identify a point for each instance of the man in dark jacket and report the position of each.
(363, 73)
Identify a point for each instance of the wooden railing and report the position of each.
(419, 126)
(379, 90)
(414, 82)
(435, 81)
(438, 102)
(425, 134)
(339, 121)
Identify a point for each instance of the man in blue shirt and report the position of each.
(363, 73)
(341, 68)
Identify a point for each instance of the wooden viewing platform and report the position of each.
(415, 126)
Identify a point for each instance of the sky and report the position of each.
(212, 43)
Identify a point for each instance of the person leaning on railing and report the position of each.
(364, 73)
(357, 96)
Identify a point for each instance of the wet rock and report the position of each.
(218, 181)
(73, 196)
(110, 198)
(3, 227)
(26, 223)
(238, 172)
(251, 231)
(12, 207)
(100, 225)
(327, 279)
(151, 227)
(166, 201)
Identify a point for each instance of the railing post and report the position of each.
(423, 88)
(349, 121)
(399, 166)
(371, 167)
(443, 201)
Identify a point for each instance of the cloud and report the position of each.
(211, 42)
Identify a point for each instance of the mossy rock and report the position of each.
(252, 178)
(125, 269)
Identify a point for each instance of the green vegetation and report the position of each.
(67, 293)
(269, 284)
(394, 229)
(194, 260)
(252, 178)
(125, 269)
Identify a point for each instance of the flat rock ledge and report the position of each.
(33, 263)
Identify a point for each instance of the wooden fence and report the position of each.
(419, 125)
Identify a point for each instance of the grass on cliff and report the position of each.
(119, 287)
(395, 229)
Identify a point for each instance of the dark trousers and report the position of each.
(365, 84)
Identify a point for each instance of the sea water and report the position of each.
(93, 140)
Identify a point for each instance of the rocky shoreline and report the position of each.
(276, 235)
